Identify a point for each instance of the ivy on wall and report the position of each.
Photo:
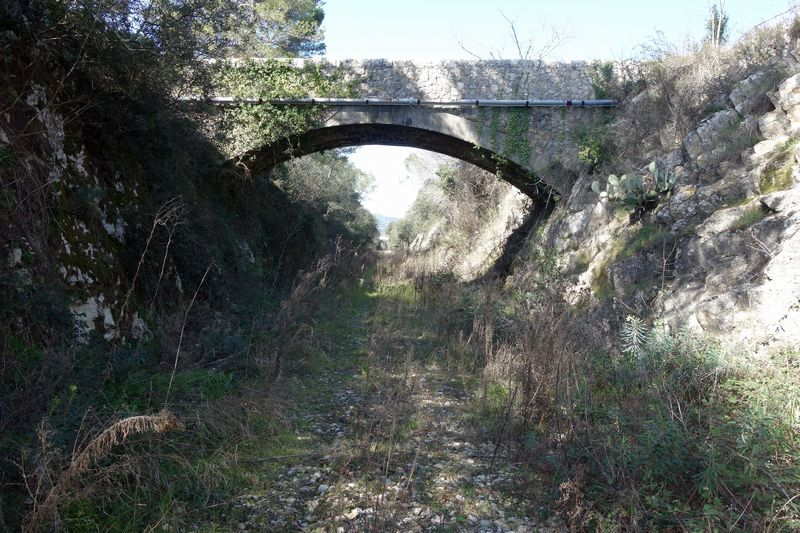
(517, 143)
(249, 126)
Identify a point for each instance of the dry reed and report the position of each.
(45, 514)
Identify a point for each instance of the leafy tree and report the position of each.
(325, 178)
(331, 184)
(246, 127)
(401, 233)
(717, 25)
(163, 45)
(458, 196)
(272, 28)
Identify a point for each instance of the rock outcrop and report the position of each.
(720, 254)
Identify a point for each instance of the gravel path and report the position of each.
(395, 448)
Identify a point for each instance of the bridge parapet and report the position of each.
(458, 80)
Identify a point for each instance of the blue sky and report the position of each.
(432, 30)
(594, 29)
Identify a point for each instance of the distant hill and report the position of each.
(383, 222)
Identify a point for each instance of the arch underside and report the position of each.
(342, 136)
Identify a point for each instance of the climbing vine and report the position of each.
(248, 126)
(517, 144)
(594, 141)
(483, 118)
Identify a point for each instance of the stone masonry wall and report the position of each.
(457, 80)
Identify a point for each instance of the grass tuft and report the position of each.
(749, 216)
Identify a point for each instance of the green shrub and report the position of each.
(675, 437)
(595, 143)
(144, 391)
(603, 80)
(648, 236)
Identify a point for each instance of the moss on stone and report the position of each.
(582, 262)
(517, 143)
(601, 283)
(777, 174)
(776, 179)
(645, 237)
(494, 129)
(630, 243)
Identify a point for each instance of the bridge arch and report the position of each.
(530, 148)
(358, 134)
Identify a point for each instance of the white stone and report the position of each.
(115, 229)
(15, 257)
(722, 220)
(109, 324)
(139, 328)
(706, 138)
(789, 92)
(747, 94)
(770, 145)
(86, 313)
(74, 275)
(79, 162)
(248, 252)
(67, 247)
(53, 129)
(773, 124)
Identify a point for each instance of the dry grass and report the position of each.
(290, 331)
(49, 489)
(683, 85)
(607, 424)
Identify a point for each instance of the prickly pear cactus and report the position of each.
(635, 190)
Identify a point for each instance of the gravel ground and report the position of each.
(395, 448)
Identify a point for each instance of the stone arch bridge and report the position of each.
(520, 119)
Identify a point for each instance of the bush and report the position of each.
(675, 437)
(594, 147)
(460, 198)
(749, 217)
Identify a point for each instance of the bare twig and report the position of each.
(183, 329)
(171, 211)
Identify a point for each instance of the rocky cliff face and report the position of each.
(117, 213)
(721, 253)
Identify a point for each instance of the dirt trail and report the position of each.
(393, 444)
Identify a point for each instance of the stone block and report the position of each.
(774, 124)
(749, 95)
(789, 92)
(764, 148)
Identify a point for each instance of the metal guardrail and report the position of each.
(350, 102)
